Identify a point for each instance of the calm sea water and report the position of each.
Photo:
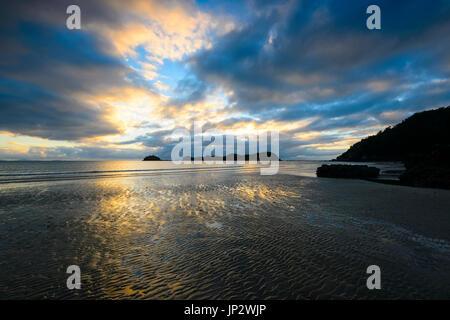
(23, 171)
(149, 230)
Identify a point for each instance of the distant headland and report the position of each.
(421, 142)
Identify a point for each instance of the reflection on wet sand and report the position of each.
(210, 235)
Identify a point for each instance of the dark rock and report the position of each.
(347, 171)
(430, 170)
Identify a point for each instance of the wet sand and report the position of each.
(221, 235)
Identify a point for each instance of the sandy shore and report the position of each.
(222, 235)
(425, 211)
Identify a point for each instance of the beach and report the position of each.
(221, 233)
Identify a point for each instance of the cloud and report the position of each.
(139, 69)
(297, 60)
(72, 153)
(44, 73)
(321, 51)
(73, 84)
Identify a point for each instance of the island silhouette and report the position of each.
(262, 156)
(151, 158)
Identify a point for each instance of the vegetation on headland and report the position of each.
(421, 142)
(416, 135)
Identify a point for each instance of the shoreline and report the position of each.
(422, 210)
(256, 237)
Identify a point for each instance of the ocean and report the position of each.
(153, 230)
(27, 171)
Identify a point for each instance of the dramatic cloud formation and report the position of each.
(137, 70)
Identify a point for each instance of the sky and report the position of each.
(137, 70)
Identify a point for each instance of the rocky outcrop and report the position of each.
(347, 171)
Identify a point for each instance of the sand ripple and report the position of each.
(207, 235)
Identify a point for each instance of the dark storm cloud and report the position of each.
(43, 66)
(53, 12)
(318, 58)
(30, 110)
